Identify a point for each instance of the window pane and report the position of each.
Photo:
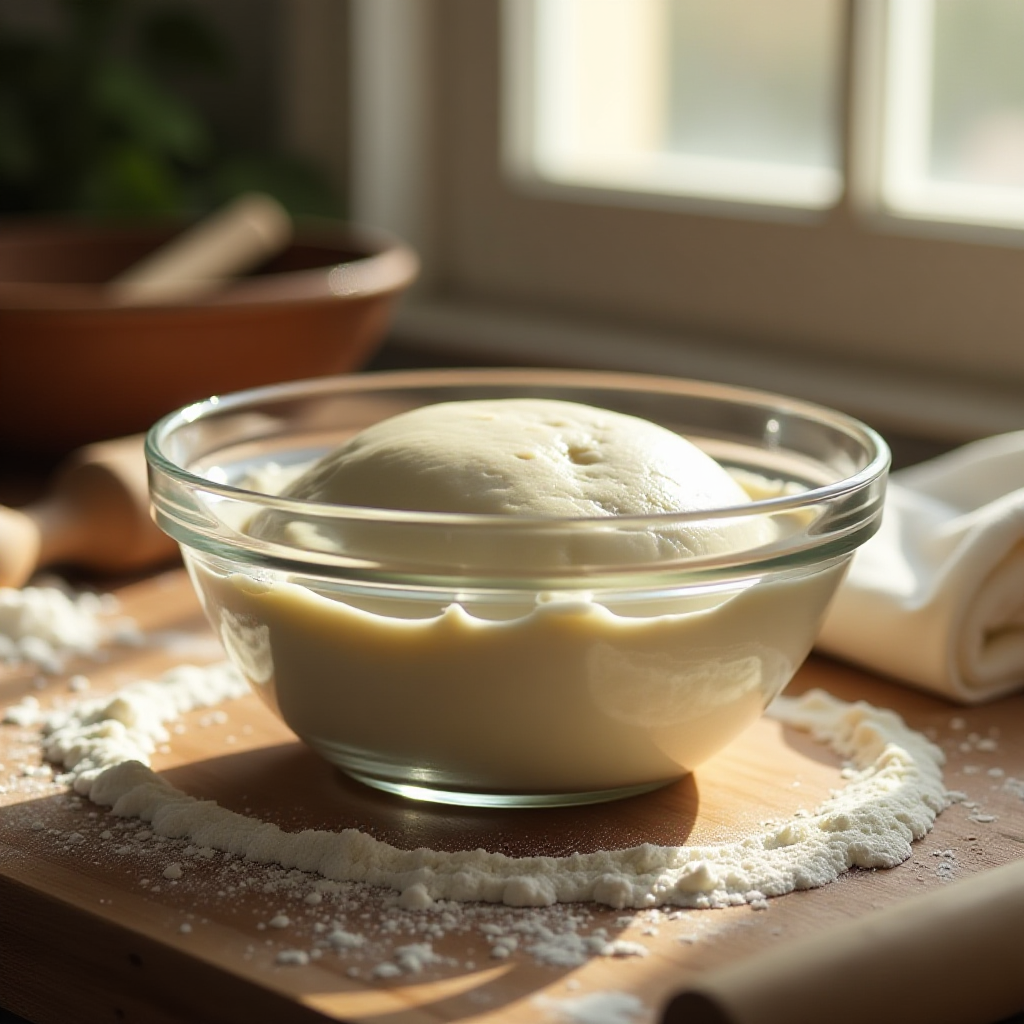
(978, 96)
(755, 81)
(956, 110)
(728, 99)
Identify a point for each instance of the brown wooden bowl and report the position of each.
(75, 367)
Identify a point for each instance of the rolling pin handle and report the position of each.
(96, 516)
(99, 510)
(20, 546)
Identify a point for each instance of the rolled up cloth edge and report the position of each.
(936, 598)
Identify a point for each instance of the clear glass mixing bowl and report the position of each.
(493, 660)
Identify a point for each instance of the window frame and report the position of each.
(888, 318)
(956, 210)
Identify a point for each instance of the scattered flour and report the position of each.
(594, 1008)
(91, 736)
(26, 712)
(293, 957)
(1014, 786)
(946, 868)
(44, 625)
(893, 794)
(410, 959)
(975, 743)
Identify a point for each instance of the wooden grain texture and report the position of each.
(91, 931)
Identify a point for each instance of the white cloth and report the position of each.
(936, 597)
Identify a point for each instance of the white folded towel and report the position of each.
(936, 597)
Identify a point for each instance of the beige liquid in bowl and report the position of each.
(545, 698)
(567, 699)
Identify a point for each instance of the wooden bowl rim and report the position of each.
(389, 266)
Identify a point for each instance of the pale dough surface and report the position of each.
(530, 458)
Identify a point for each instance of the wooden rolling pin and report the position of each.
(952, 956)
(95, 515)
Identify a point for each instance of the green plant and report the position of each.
(93, 119)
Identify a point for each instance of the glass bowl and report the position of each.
(492, 660)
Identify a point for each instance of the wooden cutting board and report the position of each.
(92, 930)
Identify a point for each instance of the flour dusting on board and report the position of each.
(594, 1008)
(894, 791)
(43, 625)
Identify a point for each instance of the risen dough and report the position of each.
(527, 458)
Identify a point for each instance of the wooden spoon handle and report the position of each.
(201, 259)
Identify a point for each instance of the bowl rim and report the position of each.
(389, 265)
(875, 470)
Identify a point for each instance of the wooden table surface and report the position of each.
(91, 930)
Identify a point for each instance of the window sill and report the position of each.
(939, 410)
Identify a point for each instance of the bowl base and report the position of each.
(456, 798)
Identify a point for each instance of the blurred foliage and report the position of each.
(91, 121)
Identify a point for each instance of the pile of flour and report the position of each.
(894, 790)
(44, 625)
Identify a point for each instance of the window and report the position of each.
(704, 98)
(824, 207)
